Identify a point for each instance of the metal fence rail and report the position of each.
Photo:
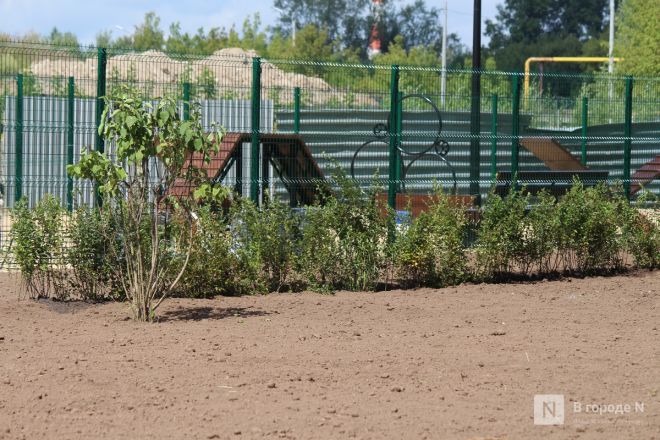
(298, 121)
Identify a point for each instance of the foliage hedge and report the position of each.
(349, 242)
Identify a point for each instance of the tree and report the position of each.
(62, 38)
(525, 28)
(638, 37)
(152, 230)
(148, 35)
(349, 22)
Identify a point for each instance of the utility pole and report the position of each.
(610, 66)
(475, 122)
(443, 73)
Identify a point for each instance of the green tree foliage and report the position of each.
(525, 28)
(349, 23)
(152, 146)
(638, 37)
(148, 35)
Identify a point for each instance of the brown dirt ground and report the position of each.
(455, 363)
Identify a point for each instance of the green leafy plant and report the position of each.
(590, 221)
(153, 146)
(89, 254)
(500, 241)
(429, 251)
(345, 244)
(216, 265)
(38, 238)
(641, 231)
(271, 235)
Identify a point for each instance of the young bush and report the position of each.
(270, 237)
(216, 266)
(641, 232)
(500, 240)
(38, 238)
(430, 252)
(591, 237)
(88, 255)
(345, 241)
(153, 144)
(536, 251)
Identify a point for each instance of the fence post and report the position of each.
(18, 162)
(186, 101)
(585, 110)
(515, 127)
(69, 142)
(393, 141)
(493, 137)
(627, 136)
(296, 110)
(102, 59)
(256, 123)
(399, 140)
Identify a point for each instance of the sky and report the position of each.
(87, 18)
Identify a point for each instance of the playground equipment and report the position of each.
(531, 60)
(551, 153)
(645, 175)
(562, 166)
(287, 153)
(438, 149)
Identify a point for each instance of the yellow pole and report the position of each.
(531, 60)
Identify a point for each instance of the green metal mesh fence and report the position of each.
(292, 124)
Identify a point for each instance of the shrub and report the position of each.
(500, 240)
(88, 255)
(536, 251)
(642, 233)
(38, 239)
(153, 145)
(591, 237)
(215, 266)
(270, 237)
(345, 241)
(429, 251)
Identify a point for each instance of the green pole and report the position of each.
(627, 136)
(69, 142)
(515, 126)
(256, 123)
(399, 139)
(296, 110)
(493, 138)
(18, 164)
(186, 101)
(102, 58)
(585, 116)
(393, 126)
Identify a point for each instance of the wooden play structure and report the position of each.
(287, 153)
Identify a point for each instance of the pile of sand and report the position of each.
(228, 70)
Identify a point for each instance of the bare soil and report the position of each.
(455, 363)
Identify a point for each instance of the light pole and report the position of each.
(475, 123)
(443, 73)
(294, 24)
(610, 66)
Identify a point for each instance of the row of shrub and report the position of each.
(349, 243)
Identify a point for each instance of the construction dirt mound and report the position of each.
(226, 74)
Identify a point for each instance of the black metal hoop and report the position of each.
(439, 148)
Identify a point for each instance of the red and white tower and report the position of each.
(374, 39)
